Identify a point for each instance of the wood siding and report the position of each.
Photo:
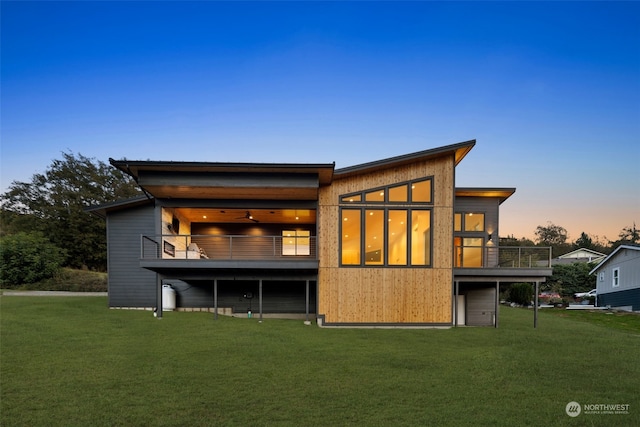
(129, 285)
(388, 294)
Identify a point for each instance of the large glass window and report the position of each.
(421, 237)
(351, 232)
(397, 237)
(387, 226)
(374, 236)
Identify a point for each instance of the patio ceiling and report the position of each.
(238, 216)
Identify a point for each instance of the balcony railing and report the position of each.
(503, 257)
(227, 247)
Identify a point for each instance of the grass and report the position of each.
(73, 362)
(69, 279)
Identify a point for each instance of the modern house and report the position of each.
(579, 255)
(391, 242)
(618, 279)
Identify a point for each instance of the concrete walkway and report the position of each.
(51, 294)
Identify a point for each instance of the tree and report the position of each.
(551, 235)
(521, 293)
(27, 258)
(568, 279)
(628, 236)
(54, 202)
(554, 236)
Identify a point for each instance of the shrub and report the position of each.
(28, 258)
(521, 293)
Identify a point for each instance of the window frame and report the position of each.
(463, 221)
(360, 203)
(361, 195)
(615, 277)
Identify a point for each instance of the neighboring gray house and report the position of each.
(579, 255)
(618, 278)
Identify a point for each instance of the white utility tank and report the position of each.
(168, 298)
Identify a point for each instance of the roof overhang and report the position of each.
(102, 210)
(459, 151)
(198, 180)
(499, 193)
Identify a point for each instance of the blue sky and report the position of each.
(550, 91)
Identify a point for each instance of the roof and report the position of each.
(589, 253)
(196, 180)
(459, 150)
(101, 210)
(612, 254)
(501, 193)
(134, 167)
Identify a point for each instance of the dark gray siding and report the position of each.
(129, 285)
(481, 307)
(630, 297)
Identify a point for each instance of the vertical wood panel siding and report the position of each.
(388, 294)
(129, 285)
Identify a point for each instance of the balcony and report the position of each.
(513, 262)
(201, 256)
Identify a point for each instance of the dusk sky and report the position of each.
(550, 91)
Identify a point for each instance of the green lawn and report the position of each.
(70, 361)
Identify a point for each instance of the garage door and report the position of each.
(481, 304)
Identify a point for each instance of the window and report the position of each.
(421, 237)
(616, 277)
(388, 229)
(399, 194)
(397, 236)
(468, 252)
(421, 191)
(374, 237)
(468, 221)
(296, 242)
(457, 222)
(351, 232)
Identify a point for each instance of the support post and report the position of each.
(455, 303)
(535, 306)
(215, 299)
(158, 296)
(260, 298)
(497, 302)
(307, 301)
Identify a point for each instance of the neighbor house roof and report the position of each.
(612, 254)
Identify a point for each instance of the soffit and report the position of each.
(239, 216)
(498, 193)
